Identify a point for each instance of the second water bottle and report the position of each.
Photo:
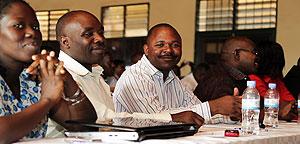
(271, 103)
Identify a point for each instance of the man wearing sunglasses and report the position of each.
(238, 59)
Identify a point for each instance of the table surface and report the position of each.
(208, 134)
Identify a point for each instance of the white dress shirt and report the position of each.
(141, 88)
(189, 82)
(92, 84)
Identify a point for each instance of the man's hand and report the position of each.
(284, 109)
(228, 105)
(188, 117)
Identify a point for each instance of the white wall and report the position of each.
(181, 14)
(288, 30)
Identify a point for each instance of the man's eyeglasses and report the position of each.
(245, 50)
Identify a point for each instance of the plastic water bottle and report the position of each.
(271, 103)
(250, 109)
(298, 107)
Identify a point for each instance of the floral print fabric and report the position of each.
(29, 95)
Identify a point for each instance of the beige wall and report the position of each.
(288, 30)
(181, 14)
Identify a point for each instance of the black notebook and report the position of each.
(135, 129)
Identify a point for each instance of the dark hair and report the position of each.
(270, 59)
(136, 57)
(65, 19)
(150, 32)
(4, 6)
(118, 62)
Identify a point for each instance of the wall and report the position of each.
(288, 30)
(180, 14)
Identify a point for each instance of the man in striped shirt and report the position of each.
(150, 86)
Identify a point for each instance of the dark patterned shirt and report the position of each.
(219, 81)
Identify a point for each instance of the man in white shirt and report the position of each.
(150, 86)
(81, 38)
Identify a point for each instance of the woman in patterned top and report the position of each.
(24, 104)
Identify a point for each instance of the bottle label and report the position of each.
(272, 103)
(250, 104)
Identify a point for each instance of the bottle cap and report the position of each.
(251, 84)
(272, 85)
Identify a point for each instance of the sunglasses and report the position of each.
(245, 50)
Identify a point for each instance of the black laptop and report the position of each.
(135, 129)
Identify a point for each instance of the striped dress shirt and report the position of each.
(141, 88)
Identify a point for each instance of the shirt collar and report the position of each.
(235, 73)
(153, 70)
(97, 70)
(74, 66)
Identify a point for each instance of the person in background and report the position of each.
(292, 79)
(108, 66)
(176, 70)
(119, 69)
(136, 57)
(191, 80)
(238, 59)
(270, 65)
(25, 103)
(151, 86)
(82, 44)
(292, 82)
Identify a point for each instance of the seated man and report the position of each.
(237, 61)
(150, 86)
(81, 38)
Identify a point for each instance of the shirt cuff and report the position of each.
(163, 116)
(218, 118)
(203, 110)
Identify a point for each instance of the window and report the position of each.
(214, 15)
(256, 14)
(48, 20)
(125, 20)
(125, 29)
(113, 21)
(219, 19)
(218, 15)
